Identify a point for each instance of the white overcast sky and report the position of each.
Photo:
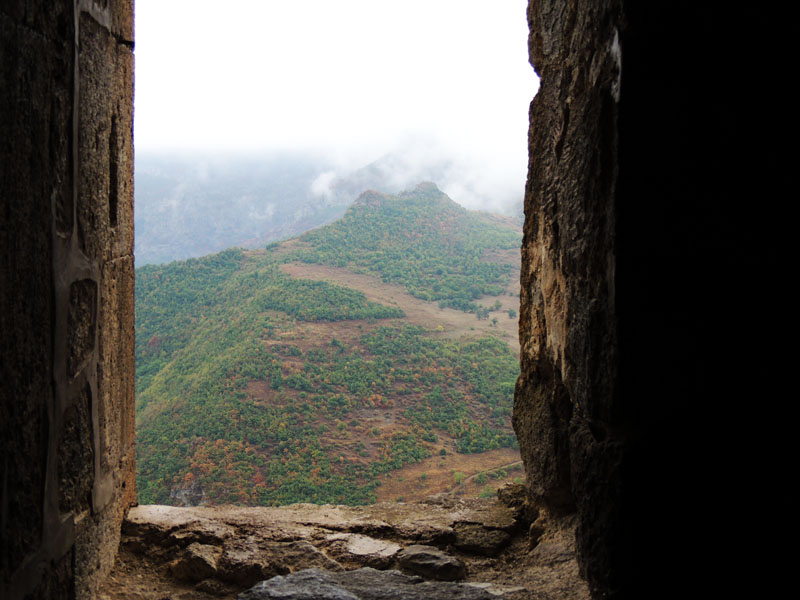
(357, 77)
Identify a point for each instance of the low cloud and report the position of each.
(478, 182)
(321, 186)
(443, 87)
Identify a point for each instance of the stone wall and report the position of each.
(66, 293)
(649, 280)
(564, 412)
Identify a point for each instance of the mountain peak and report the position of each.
(371, 198)
(427, 186)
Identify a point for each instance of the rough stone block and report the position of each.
(81, 323)
(61, 517)
(431, 563)
(198, 563)
(116, 363)
(34, 104)
(76, 455)
(361, 584)
(115, 15)
(473, 537)
(105, 217)
(362, 550)
(52, 20)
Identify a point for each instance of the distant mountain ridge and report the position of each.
(255, 386)
(420, 239)
(192, 206)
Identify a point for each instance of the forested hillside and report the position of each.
(421, 240)
(258, 387)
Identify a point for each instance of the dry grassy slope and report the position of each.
(454, 323)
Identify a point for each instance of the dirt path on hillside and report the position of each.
(453, 473)
(454, 323)
(491, 473)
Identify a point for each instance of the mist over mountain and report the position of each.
(474, 186)
(194, 205)
(332, 366)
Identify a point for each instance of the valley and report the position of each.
(371, 359)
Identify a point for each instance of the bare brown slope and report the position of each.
(454, 323)
(437, 473)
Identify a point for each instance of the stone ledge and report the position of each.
(219, 552)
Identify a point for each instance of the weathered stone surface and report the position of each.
(81, 323)
(567, 314)
(245, 566)
(246, 561)
(104, 210)
(298, 554)
(638, 224)
(62, 510)
(217, 588)
(475, 538)
(35, 105)
(304, 585)
(105, 182)
(399, 520)
(257, 543)
(362, 550)
(431, 563)
(199, 562)
(513, 495)
(550, 553)
(115, 388)
(115, 16)
(564, 412)
(535, 532)
(76, 456)
(362, 584)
